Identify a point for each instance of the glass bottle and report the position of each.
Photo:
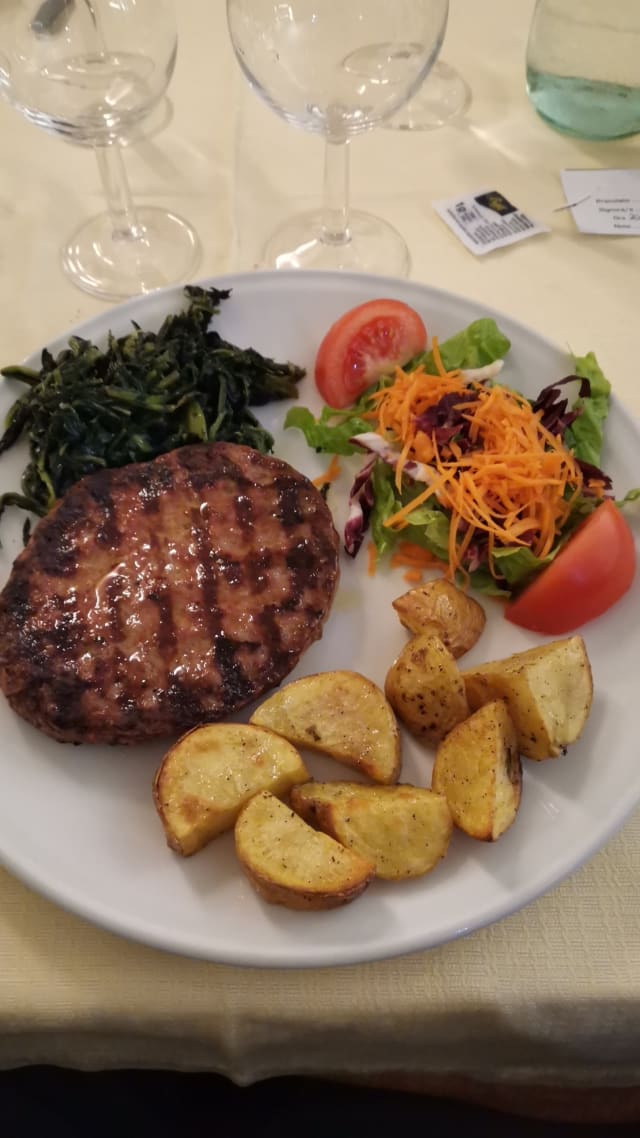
(583, 66)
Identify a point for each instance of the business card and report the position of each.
(604, 201)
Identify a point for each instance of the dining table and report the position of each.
(539, 1011)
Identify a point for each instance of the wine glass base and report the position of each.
(374, 246)
(443, 96)
(164, 251)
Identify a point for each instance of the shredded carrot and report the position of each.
(414, 557)
(412, 576)
(516, 482)
(332, 472)
(437, 358)
(372, 553)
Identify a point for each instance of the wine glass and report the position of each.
(443, 97)
(156, 121)
(93, 71)
(337, 70)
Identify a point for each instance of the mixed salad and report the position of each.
(458, 465)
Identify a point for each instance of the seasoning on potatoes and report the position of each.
(425, 689)
(548, 690)
(341, 714)
(290, 864)
(207, 777)
(404, 830)
(478, 769)
(441, 608)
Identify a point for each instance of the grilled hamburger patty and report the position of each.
(166, 593)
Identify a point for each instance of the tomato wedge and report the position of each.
(367, 342)
(591, 573)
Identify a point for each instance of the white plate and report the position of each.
(78, 823)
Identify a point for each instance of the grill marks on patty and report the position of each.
(166, 593)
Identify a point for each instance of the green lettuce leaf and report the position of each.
(386, 503)
(483, 582)
(429, 528)
(330, 433)
(630, 496)
(476, 346)
(584, 436)
(518, 565)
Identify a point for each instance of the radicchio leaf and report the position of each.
(361, 502)
(594, 473)
(445, 420)
(556, 416)
(477, 553)
(419, 471)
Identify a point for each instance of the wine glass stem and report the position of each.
(116, 189)
(335, 201)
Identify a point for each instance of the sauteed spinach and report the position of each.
(145, 394)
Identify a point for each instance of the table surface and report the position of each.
(548, 994)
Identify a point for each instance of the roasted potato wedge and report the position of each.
(444, 610)
(479, 771)
(290, 864)
(548, 689)
(425, 689)
(207, 777)
(341, 714)
(404, 830)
